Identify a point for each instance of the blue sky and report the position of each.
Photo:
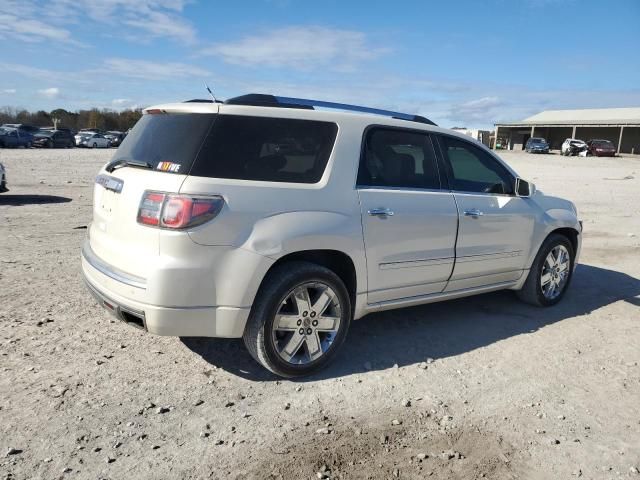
(464, 63)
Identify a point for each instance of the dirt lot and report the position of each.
(503, 389)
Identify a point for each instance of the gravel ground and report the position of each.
(484, 387)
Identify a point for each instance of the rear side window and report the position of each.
(267, 149)
(398, 158)
(169, 142)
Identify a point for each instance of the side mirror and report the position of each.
(524, 188)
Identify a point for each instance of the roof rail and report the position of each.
(262, 100)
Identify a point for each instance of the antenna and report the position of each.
(210, 92)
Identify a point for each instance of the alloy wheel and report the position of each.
(306, 323)
(555, 272)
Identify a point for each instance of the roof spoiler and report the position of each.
(262, 100)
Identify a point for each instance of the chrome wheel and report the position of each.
(555, 272)
(307, 323)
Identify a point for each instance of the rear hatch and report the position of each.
(156, 155)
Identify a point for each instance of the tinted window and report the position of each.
(158, 138)
(474, 170)
(398, 158)
(267, 149)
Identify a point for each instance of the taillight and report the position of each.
(174, 211)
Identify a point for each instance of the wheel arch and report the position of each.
(571, 233)
(337, 261)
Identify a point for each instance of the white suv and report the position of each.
(268, 219)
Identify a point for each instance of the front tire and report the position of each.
(550, 273)
(299, 319)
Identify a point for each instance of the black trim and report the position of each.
(263, 100)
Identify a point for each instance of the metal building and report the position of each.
(619, 125)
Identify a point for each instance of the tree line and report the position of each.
(103, 119)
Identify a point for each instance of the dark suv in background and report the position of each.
(537, 145)
(54, 139)
(11, 137)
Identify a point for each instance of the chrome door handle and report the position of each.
(474, 212)
(380, 212)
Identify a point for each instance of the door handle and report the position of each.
(380, 212)
(474, 212)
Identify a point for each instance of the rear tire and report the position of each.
(282, 324)
(537, 289)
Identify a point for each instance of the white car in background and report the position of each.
(573, 146)
(92, 140)
(267, 220)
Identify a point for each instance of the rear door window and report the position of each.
(266, 149)
(398, 158)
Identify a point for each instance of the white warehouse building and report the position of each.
(619, 125)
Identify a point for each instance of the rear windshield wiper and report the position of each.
(122, 162)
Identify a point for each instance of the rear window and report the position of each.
(169, 142)
(267, 149)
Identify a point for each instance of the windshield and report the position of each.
(603, 143)
(169, 142)
(538, 140)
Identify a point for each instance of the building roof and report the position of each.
(591, 116)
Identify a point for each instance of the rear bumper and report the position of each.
(180, 321)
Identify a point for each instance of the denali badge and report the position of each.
(110, 183)
(168, 167)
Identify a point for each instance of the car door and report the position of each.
(495, 225)
(409, 223)
(12, 138)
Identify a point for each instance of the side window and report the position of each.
(473, 170)
(398, 158)
(266, 149)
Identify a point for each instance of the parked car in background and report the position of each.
(573, 146)
(115, 138)
(3, 178)
(601, 148)
(91, 140)
(53, 139)
(256, 219)
(536, 145)
(11, 137)
(23, 127)
(81, 137)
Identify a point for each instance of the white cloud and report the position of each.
(475, 110)
(36, 21)
(151, 18)
(51, 92)
(299, 47)
(9, 90)
(148, 70)
(17, 27)
(120, 101)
